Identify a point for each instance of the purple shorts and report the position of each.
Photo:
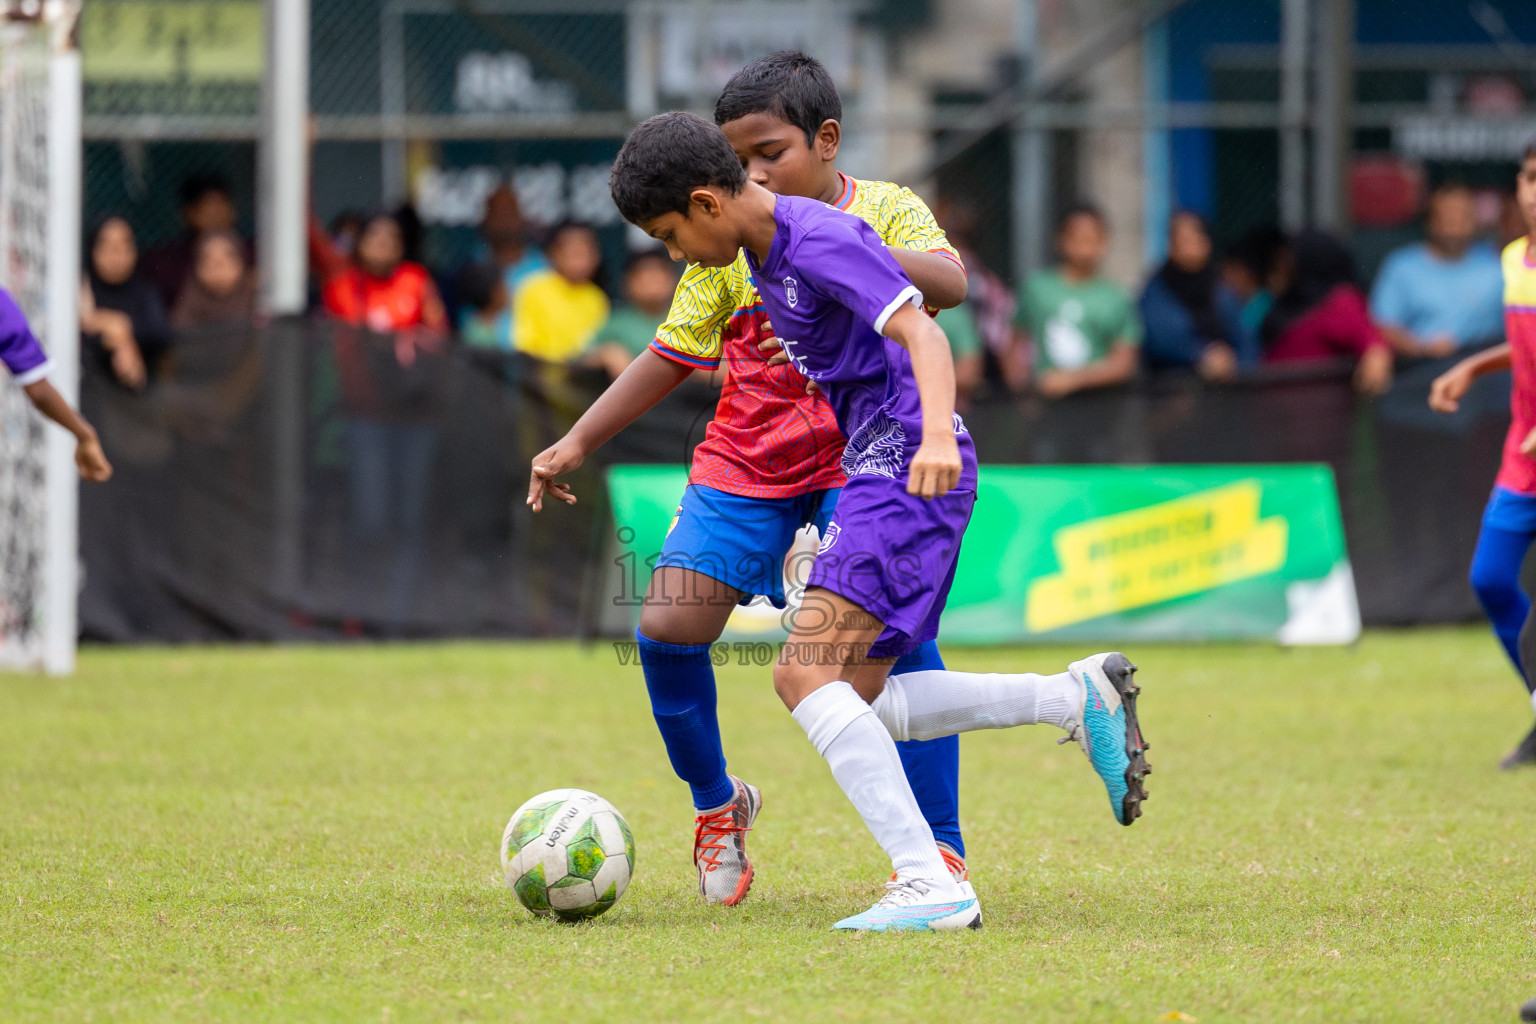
(894, 556)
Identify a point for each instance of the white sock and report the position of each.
(864, 762)
(927, 705)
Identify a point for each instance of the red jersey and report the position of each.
(769, 439)
(1518, 470)
(407, 298)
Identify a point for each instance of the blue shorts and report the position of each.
(742, 541)
(1508, 510)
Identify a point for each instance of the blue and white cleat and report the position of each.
(914, 906)
(1108, 731)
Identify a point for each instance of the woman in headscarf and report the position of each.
(1193, 320)
(121, 317)
(1320, 314)
(221, 289)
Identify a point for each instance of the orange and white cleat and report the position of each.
(720, 846)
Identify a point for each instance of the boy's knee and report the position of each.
(792, 683)
(1494, 584)
(668, 624)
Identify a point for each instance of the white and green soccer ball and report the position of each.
(568, 854)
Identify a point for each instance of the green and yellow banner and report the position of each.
(1103, 553)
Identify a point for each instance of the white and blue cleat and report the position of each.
(914, 906)
(1107, 729)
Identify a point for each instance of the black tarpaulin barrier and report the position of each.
(309, 481)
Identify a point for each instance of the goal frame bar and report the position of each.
(61, 559)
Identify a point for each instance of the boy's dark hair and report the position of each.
(1081, 209)
(195, 187)
(477, 285)
(664, 159)
(788, 85)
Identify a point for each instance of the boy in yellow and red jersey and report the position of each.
(770, 463)
(1509, 522)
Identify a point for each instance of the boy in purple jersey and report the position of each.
(850, 320)
(30, 366)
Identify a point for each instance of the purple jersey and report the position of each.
(19, 350)
(829, 286)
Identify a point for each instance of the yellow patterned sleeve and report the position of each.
(907, 223)
(701, 307)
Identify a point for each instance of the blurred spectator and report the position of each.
(483, 291)
(1193, 321)
(221, 289)
(1320, 313)
(121, 317)
(344, 229)
(1249, 264)
(557, 312)
(1511, 221)
(206, 207)
(1083, 327)
(649, 281)
(959, 326)
(380, 289)
(1447, 292)
(506, 239)
(390, 395)
(988, 298)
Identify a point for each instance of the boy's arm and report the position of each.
(936, 465)
(913, 236)
(687, 340)
(646, 381)
(1446, 392)
(938, 277)
(89, 458)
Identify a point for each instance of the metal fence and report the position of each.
(1231, 107)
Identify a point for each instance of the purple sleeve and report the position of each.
(19, 350)
(842, 257)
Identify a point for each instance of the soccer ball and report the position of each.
(568, 854)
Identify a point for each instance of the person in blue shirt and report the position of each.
(508, 250)
(1445, 293)
(1193, 320)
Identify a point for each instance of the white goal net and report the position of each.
(39, 266)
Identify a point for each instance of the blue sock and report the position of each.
(933, 766)
(1496, 578)
(681, 681)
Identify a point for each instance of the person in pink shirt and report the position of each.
(1321, 315)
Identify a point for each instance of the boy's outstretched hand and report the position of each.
(548, 464)
(935, 468)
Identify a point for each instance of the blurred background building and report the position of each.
(1247, 111)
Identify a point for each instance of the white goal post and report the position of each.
(40, 197)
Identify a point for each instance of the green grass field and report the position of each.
(311, 835)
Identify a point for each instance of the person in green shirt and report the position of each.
(959, 325)
(649, 282)
(1084, 328)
